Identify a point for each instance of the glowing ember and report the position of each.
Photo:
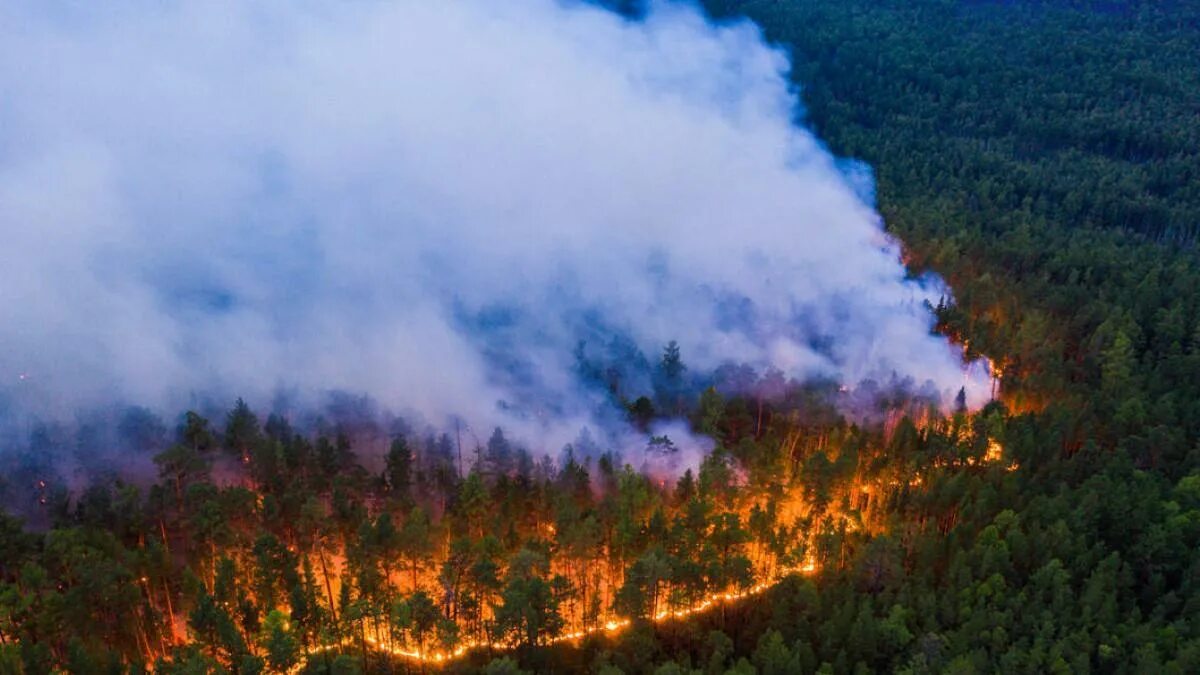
(995, 452)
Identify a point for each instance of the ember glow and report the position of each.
(318, 557)
(609, 626)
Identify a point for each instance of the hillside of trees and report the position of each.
(1044, 157)
(264, 549)
(1041, 156)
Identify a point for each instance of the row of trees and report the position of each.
(259, 545)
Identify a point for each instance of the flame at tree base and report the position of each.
(610, 626)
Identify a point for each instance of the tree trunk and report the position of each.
(758, 425)
(362, 643)
(328, 587)
(170, 611)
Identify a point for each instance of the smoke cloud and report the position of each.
(444, 205)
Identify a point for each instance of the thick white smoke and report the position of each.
(429, 202)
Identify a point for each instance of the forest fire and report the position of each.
(614, 625)
(294, 551)
(679, 336)
(995, 452)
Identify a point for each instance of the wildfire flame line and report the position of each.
(994, 455)
(610, 626)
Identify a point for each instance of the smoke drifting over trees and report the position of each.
(456, 208)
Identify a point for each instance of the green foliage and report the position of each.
(503, 666)
(280, 644)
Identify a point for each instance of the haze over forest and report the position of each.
(449, 208)
(735, 336)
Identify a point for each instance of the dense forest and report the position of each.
(1040, 156)
(260, 548)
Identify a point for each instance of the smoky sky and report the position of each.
(437, 204)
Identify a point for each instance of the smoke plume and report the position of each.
(448, 206)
